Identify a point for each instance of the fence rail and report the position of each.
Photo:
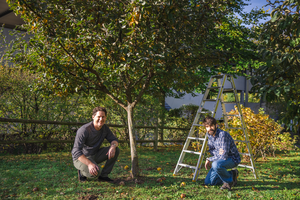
(155, 141)
(29, 121)
(71, 141)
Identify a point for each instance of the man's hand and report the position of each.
(111, 152)
(207, 164)
(93, 169)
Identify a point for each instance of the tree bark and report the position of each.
(134, 156)
(161, 120)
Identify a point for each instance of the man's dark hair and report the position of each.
(209, 121)
(97, 109)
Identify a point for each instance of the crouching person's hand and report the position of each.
(93, 169)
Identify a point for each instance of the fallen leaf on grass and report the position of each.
(122, 183)
(182, 184)
(159, 180)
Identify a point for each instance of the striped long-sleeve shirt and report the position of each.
(222, 146)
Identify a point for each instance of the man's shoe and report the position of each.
(100, 178)
(226, 186)
(235, 175)
(81, 178)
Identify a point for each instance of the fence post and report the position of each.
(156, 135)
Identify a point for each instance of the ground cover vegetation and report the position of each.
(53, 176)
(130, 48)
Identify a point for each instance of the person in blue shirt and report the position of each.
(224, 156)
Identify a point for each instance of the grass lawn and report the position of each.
(53, 176)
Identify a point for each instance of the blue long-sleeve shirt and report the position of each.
(222, 146)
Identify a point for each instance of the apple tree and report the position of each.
(122, 48)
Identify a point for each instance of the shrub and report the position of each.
(264, 133)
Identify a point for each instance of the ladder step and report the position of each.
(250, 167)
(192, 152)
(204, 112)
(246, 154)
(217, 76)
(198, 125)
(212, 88)
(188, 166)
(196, 138)
(231, 115)
(209, 100)
(233, 102)
(241, 141)
(227, 90)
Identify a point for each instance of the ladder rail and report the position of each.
(192, 129)
(199, 162)
(186, 144)
(245, 134)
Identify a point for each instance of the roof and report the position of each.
(8, 17)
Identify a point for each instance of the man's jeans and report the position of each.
(97, 158)
(218, 173)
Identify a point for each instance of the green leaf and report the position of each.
(274, 17)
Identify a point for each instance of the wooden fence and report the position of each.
(155, 141)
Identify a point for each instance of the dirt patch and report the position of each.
(151, 168)
(129, 180)
(88, 197)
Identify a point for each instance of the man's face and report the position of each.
(99, 120)
(211, 129)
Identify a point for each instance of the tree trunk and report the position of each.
(134, 156)
(161, 120)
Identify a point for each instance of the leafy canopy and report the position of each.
(120, 48)
(278, 78)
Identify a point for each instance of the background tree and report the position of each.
(278, 78)
(20, 99)
(123, 49)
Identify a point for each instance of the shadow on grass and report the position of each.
(145, 181)
(261, 186)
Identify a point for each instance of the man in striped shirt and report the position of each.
(224, 156)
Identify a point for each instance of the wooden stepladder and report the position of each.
(215, 93)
